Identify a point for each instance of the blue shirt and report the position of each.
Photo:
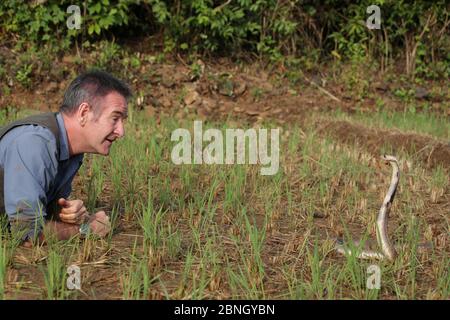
(34, 173)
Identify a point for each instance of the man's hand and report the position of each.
(73, 211)
(62, 231)
(99, 224)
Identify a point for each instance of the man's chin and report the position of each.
(104, 149)
(103, 152)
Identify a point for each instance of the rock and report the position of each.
(167, 82)
(266, 86)
(191, 97)
(51, 87)
(197, 70)
(277, 111)
(180, 77)
(225, 87)
(209, 104)
(239, 88)
(319, 215)
(252, 112)
(381, 86)
(166, 103)
(422, 93)
(317, 79)
(155, 102)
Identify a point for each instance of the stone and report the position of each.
(422, 93)
(239, 88)
(191, 97)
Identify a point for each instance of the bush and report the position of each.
(414, 30)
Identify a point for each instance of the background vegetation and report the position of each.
(305, 30)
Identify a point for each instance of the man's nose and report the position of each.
(120, 129)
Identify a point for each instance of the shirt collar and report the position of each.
(64, 145)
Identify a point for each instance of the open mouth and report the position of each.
(110, 140)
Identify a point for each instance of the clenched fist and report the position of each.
(72, 211)
(99, 224)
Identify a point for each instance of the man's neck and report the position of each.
(72, 131)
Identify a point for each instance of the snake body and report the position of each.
(387, 249)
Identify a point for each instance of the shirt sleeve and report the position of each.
(29, 170)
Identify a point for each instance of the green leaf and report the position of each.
(91, 29)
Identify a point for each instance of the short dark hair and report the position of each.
(90, 86)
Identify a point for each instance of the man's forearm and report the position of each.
(60, 230)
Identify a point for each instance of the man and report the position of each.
(40, 155)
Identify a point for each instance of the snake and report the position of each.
(388, 250)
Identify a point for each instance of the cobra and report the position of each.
(387, 249)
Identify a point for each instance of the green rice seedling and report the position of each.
(173, 242)
(202, 210)
(256, 238)
(4, 262)
(199, 282)
(164, 192)
(291, 204)
(235, 180)
(194, 222)
(294, 284)
(151, 224)
(412, 239)
(315, 288)
(247, 279)
(114, 219)
(158, 236)
(55, 276)
(438, 183)
(443, 278)
(95, 183)
(242, 285)
(130, 280)
(183, 290)
(212, 262)
(136, 281)
(153, 150)
(294, 274)
(116, 181)
(353, 274)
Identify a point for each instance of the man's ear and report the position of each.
(82, 113)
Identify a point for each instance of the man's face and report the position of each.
(107, 125)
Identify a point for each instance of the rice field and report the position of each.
(228, 232)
